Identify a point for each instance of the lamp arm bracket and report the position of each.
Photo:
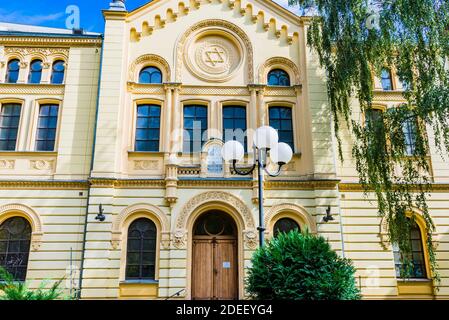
(276, 174)
(242, 173)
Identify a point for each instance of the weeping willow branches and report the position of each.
(357, 39)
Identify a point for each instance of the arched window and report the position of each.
(35, 71)
(12, 72)
(386, 80)
(285, 225)
(150, 75)
(278, 77)
(57, 75)
(141, 250)
(416, 266)
(15, 238)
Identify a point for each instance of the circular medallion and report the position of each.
(213, 56)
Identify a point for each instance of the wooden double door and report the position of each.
(215, 265)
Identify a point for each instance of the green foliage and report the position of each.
(17, 290)
(301, 267)
(411, 37)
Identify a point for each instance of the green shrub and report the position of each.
(11, 289)
(301, 267)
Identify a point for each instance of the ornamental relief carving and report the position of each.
(146, 164)
(42, 164)
(7, 164)
(213, 57)
(216, 50)
(30, 51)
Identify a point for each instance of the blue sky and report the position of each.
(51, 13)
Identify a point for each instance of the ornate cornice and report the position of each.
(239, 184)
(49, 41)
(357, 187)
(214, 90)
(302, 185)
(24, 88)
(47, 185)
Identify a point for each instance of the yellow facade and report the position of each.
(95, 163)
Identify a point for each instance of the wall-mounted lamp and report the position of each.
(328, 217)
(100, 216)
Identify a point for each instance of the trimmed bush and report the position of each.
(299, 266)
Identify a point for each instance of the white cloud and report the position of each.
(22, 18)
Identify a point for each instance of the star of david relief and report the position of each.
(214, 56)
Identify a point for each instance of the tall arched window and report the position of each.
(387, 83)
(35, 71)
(278, 77)
(148, 124)
(141, 250)
(150, 75)
(15, 239)
(57, 75)
(285, 225)
(12, 72)
(416, 266)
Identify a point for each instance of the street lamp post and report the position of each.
(266, 146)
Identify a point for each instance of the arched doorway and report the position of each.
(214, 257)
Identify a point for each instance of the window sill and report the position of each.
(124, 282)
(404, 281)
(153, 153)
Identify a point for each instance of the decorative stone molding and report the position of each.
(42, 164)
(52, 41)
(152, 210)
(214, 196)
(27, 89)
(146, 164)
(179, 239)
(16, 209)
(250, 239)
(146, 88)
(23, 65)
(214, 24)
(384, 234)
(280, 62)
(292, 208)
(45, 185)
(214, 91)
(149, 60)
(7, 164)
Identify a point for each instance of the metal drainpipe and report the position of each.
(90, 173)
(334, 147)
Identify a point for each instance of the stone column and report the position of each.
(176, 134)
(167, 118)
(261, 105)
(23, 74)
(252, 114)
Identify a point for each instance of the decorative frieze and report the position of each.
(42, 164)
(28, 89)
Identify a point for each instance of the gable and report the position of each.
(252, 31)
